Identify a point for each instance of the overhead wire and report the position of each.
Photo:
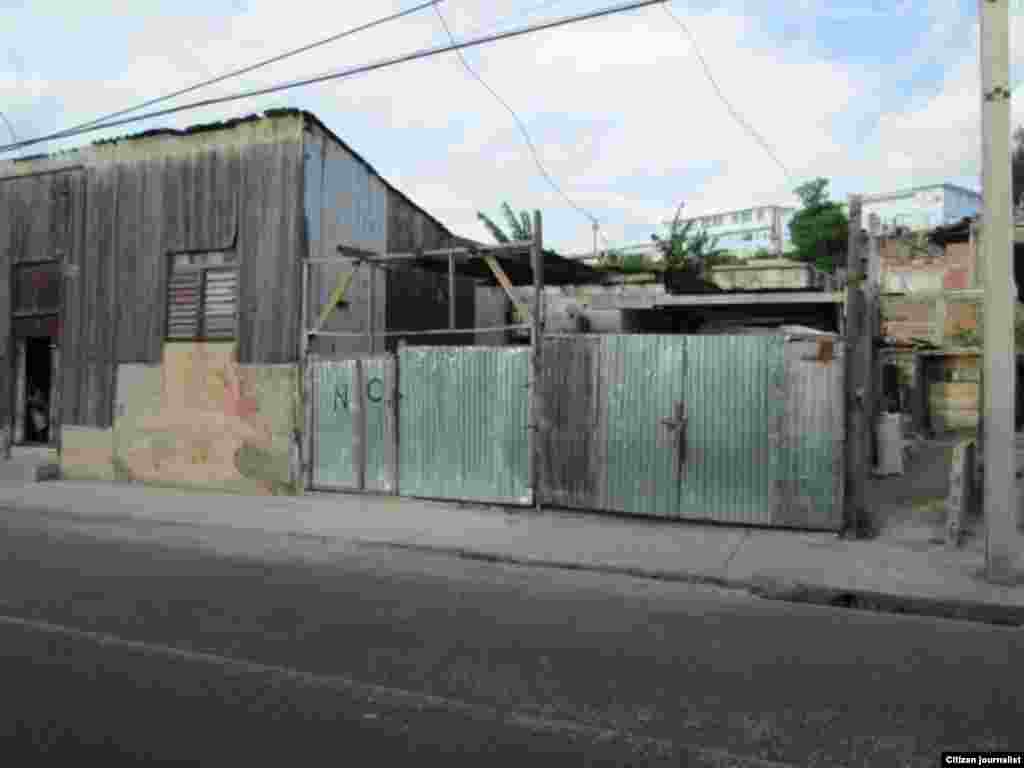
(522, 127)
(728, 105)
(67, 132)
(352, 71)
(9, 126)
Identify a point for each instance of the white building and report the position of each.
(922, 208)
(746, 231)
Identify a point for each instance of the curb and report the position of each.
(763, 587)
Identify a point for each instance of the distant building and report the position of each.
(922, 208)
(746, 231)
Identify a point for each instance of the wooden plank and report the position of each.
(6, 362)
(570, 468)
(131, 208)
(336, 297)
(522, 313)
(537, 400)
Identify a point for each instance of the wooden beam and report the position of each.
(337, 296)
(451, 290)
(519, 248)
(536, 363)
(521, 312)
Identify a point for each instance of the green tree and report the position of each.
(519, 227)
(819, 230)
(682, 248)
(1017, 167)
(632, 263)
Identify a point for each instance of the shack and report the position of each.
(153, 285)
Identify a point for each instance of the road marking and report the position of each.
(375, 693)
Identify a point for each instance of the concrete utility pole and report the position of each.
(996, 245)
(859, 374)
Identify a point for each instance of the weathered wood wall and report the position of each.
(345, 204)
(40, 220)
(118, 220)
(417, 298)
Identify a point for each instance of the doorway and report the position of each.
(35, 391)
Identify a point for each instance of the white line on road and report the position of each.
(375, 693)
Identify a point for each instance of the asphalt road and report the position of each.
(138, 642)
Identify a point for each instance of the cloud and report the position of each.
(619, 108)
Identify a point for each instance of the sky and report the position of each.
(873, 95)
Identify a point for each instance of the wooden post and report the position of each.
(370, 305)
(872, 298)
(451, 291)
(537, 342)
(996, 262)
(858, 380)
(305, 468)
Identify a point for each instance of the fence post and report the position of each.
(536, 396)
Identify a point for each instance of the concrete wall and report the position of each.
(87, 453)
(780, 273)
(953, 383)
(201, 420)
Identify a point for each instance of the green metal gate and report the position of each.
(643, 389)
(740, 429)
(463, 422)
(353, 424)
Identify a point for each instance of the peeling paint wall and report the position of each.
(202, 420)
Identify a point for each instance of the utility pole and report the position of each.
(859, 374)
(996, 244)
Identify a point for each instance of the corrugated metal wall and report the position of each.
(809, 458)
(463, 423)
(642, 379)
(354, 423)
(336, 413)
(378, 381)
(728, 474)
(760, 447)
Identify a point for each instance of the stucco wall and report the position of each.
(202, 420)
(87, 453)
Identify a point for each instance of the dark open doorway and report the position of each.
(38, 389)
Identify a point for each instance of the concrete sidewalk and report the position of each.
(808, 567)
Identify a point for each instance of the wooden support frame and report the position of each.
(337, 297)
(522, 313)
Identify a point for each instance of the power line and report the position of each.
(522, 127)
(235, 73)
(711, 78)
(9, 126)
(352, 71)
(523, 12)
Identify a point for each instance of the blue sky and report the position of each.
(872, 95)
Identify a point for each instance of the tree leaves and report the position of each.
(820, 229)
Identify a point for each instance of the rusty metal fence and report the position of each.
(744, 429)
